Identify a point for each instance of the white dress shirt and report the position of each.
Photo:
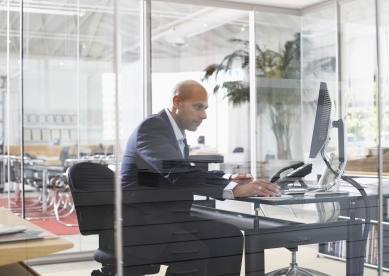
(227, 192)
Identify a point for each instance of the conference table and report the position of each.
(12, 254)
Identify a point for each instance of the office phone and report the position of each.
(292, 183)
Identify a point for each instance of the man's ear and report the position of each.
(176, 101)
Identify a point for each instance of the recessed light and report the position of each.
(61, 63)
(205, 25)
(242, 29)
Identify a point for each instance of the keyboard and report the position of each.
(4, 230)
(282, 197)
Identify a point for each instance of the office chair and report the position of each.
(92, 189)
(238, 149)
(327, 212)
(64, 154)
(110, 150)
(63, 200)
(293, 269)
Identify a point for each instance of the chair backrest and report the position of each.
(92, 188)
(109, 150)
(64, 154)
(238, 149)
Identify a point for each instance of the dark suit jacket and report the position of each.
(158, 187)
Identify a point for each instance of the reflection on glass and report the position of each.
(187, 39)
(278, 93)
(384, 73)
(384, 96)
(49, 95)
(66, 53)
(358, 79)
(318, 65)
(359, 87)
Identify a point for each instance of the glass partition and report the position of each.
(384, 97)
(319, 64)
(208, 45)
(190, 51)
(278, 91)
(358, 87)
(65, 111)
(10, 109)
(50, 113)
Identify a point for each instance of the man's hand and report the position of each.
(242, 178)
(256, 188)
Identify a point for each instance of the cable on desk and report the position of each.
(365, 199)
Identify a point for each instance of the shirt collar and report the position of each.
(179, 135)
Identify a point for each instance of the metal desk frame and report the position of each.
(257, 239)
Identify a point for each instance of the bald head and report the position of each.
(184, 89)
(188, 103)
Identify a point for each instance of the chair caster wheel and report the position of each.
(97, 273)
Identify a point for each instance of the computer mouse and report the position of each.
(279, 194)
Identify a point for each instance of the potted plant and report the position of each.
(278, 86)
(279, 106)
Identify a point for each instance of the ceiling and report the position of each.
(50, 27)
(296, 4)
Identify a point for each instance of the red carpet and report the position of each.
(53, 226)
(50, 224)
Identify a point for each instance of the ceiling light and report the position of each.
(205, 25)
(175, 40)
(82, 14)
(61, 63)
(242, 29)
(83, 45)
(40, 10)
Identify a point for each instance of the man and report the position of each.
(158, 187)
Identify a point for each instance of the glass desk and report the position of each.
(258, 239)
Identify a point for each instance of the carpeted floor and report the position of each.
(47, 222)
(53, 226)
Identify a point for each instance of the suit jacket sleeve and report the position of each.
(156, 146)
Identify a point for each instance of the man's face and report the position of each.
(191, 112)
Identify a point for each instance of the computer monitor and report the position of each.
(320, 137)
(321, 133)
(333, 172)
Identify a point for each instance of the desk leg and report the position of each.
(254, 257)
(353, 253)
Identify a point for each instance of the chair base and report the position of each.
(293, 270)
(130, 268)
(109, 271)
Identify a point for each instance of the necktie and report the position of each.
(186, 149)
